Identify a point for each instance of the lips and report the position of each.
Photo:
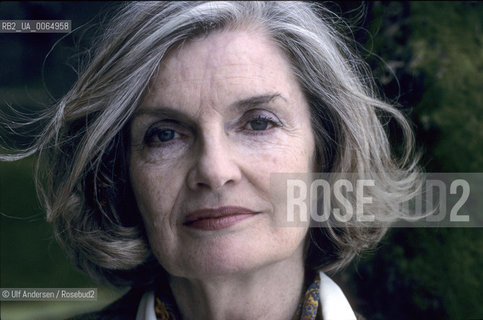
(216, 219)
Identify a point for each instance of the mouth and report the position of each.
(217, 219)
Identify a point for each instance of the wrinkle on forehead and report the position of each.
(209, 69)
(222, 52)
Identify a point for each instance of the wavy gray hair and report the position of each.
(83, 145)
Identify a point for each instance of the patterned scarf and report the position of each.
(165, 306)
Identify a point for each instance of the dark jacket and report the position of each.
(124, 308)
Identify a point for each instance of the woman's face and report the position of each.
(223, 113)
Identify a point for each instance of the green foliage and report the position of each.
(447, 46)
(436, 52)
(30, 256)
(424, 273)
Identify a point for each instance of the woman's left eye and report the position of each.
(261, 123)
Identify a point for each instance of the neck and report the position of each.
(272, 292)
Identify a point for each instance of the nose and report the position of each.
(215, 165)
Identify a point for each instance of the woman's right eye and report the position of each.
(160, 136)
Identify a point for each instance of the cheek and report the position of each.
(153, 191)
(297, 156)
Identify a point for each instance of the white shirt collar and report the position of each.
(333, 302)
(146, 307)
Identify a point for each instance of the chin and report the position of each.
(221, 260)
(231, 257)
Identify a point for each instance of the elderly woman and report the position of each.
(158, 161)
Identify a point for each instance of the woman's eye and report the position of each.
(158, 135)
(165, 135)
(260, 124)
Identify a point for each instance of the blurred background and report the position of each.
(426, 56)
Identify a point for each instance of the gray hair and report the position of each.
(83, 146)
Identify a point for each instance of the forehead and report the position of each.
(222, 49)
(225, 63)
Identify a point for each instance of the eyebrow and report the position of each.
(243, 104)
(256, 101)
